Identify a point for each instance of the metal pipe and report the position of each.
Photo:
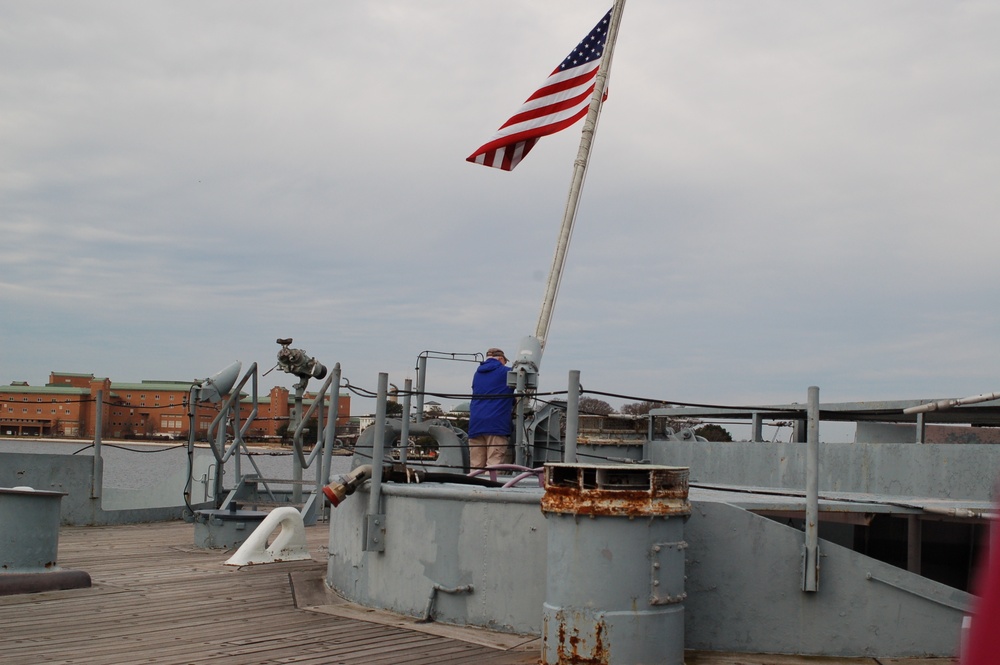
(253, 401)
(520, 449)
(421, 380)
(522, 495)
(756, 427)
(300, 389)
(404, 427)
(378, 447)
(428, 612)
(97, 481)
(331, 424)
(944, 404)
(811, 555)
(317, 408)
(572, 416)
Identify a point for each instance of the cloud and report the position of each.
(779, 195)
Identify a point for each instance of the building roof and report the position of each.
(44, 390)
(165, 386)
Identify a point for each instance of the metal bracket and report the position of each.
(375, 533)
(810, 568)
(661, 582)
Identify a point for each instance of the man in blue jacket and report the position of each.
(489, 412)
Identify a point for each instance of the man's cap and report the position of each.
(495, 353)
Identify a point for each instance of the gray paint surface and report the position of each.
(744, 594)
(73, 475)
(954, 471)
(743, 576)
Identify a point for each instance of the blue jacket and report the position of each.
(490, 415)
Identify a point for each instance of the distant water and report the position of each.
(137, 465)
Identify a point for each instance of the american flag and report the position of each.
(562, 100)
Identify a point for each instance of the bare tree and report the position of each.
(640, 408)
(594, 406)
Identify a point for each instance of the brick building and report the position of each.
(67, 407)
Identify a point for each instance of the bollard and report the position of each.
(29, 521)
(615, 584)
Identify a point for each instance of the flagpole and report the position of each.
(579, 173)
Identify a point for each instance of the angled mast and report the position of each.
(579, 174)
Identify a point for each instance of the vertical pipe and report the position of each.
(421, 380)
(404, 427)
(320, 446)
(331, 424)
(300, 389)
(378, 448)
(756, 427)
(97, 482)
(520, 456)
(920, 427)
(572, 416)
(811, 578)
(220, 444)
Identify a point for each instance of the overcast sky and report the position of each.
(780, 194)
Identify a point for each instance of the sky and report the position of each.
(780, 194)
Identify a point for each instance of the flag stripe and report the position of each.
(562, 100)
(573, 98)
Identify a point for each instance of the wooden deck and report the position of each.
(158, 599)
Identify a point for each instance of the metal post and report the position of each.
(300, 389)
(756, 428)
(220, 444)
(97, 482)
(572, 416)
(520, 451)
(375, 522)
(404, 427)
(421, 379)
(810, 581)
(331, 424)
(920, 428)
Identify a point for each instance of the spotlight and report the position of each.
(219, 384)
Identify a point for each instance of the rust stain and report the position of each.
(615, 502)
(573, 656)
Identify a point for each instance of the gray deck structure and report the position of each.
(158, 599)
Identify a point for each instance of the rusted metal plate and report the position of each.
(626, 490)
(572, 648)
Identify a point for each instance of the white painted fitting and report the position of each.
(289, 545)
